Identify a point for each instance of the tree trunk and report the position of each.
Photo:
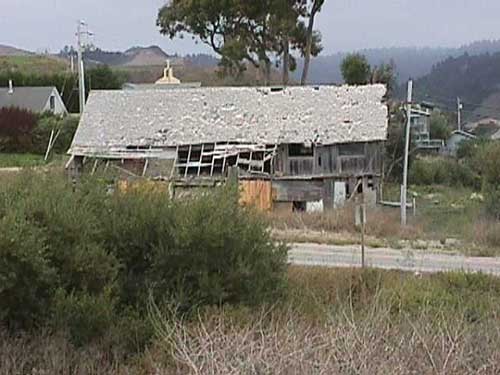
(286, 61)
(267, 72)
(307, 54)
(316, 7)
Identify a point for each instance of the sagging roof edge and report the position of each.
(157, 152)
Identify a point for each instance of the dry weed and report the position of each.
(283, 343)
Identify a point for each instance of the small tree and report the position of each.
(385, 74)
(356, 70)
(440, 128)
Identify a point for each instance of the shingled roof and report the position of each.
(167, 118)
(33, 99)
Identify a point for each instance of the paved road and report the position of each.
(405, 260)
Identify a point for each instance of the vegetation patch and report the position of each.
(86, 261)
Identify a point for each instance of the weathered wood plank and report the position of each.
(298, 191)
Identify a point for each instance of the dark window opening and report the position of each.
(352, 149)
(138, 148)
(360, 187)
(299, 206)
(52, 103)
(300, 150)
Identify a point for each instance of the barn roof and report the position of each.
(120, 120)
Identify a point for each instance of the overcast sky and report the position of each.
(346, 24)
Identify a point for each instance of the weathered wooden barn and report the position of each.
(302, 148)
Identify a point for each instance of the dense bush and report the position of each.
(16, 128)
(442, 171)
(488, 161)
(64, 129)
(87, 259)
(439, 126)
(24, 132)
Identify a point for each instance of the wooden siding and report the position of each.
(297, 191)
(334, 160)
(301, 166)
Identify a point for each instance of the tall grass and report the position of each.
(381, 222)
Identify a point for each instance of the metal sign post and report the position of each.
(360, 218)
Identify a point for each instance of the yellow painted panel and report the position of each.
(256, 193)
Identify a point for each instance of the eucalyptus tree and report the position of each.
(242, 32)
(312, 37)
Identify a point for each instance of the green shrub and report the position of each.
(202, 250)
(441, 171)
(64, 128)
(27, 276)
(87, 317)
(76, 259)
(439, 127)
(488, 162)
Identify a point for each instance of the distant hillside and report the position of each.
(409, 62)
(33, 64)
(12, 51)
(136, 56)
(475, 79)
(148, 56)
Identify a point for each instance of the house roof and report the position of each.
(117, 120)
(31, 98)
(464, 134)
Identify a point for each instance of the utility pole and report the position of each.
(80, 33)
(363, 225)
(404, 187)
(459, 114)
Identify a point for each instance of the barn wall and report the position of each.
(297, 191)
(343, 160)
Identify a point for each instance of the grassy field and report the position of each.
(20, 160)
(33, 64)
(29, 160)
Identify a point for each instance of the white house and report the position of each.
(455, 139)
(34, 99)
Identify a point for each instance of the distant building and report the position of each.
(421, 128)
(487, 128)
(34, 99)
(168, 81)
(296, 148)
(455, 140)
